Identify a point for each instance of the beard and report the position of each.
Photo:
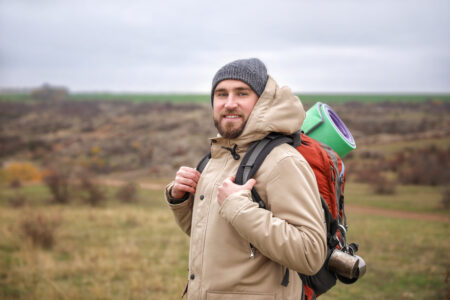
(228, 131)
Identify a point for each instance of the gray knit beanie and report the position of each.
(252, 71)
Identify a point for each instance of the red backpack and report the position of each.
(330, 175)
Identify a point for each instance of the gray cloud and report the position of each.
(177, 46)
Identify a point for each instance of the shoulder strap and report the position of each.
(254, 158)
(202, 164)
(256, 154)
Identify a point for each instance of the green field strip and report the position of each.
(205, 98)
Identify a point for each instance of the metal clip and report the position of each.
(343, 231)
(252, 252)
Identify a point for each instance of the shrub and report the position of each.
(446, 198)
(427, 166)
(21, 171)
(375, 176)
(17, 200)
(128, 193)
(366, 173)
(383, 186)
(95, 194)
(15, 184)
(40, 230)
(57, 181)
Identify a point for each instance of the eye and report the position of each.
(220, 94)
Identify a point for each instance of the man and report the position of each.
(238, 250)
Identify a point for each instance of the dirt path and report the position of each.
(396, 213)
(349, 207)
(143, 185)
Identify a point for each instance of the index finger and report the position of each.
(190, 172)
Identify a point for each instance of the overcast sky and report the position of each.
(177, 46)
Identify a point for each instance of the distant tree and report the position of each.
(50, 93)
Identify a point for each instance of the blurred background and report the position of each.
(101, 103)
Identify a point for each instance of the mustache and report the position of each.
(232, 111)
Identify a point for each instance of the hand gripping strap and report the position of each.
(254, 158)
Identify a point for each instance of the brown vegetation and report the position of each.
(446, 198)
(107, 137)
(17, 200)
(40, 229)
(128, 193)
(426, 166)
(94, 193)
(57, 181)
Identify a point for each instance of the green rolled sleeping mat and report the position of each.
(324, 125)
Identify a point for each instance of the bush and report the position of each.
(21, 171)
(128, 193)
(374, 175)
(383, 186)
(446, 198)
(40, 230)
(57, 180)
(427, 166)
(17, 200)
(95, 194)
(15, 184)
(366, 173)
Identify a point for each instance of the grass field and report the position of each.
(135, 251)
(328, 98)
(205, 98)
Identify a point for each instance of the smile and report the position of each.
(231, 117)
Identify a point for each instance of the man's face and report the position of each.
(232, 103)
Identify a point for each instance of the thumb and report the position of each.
(250, 184)
(231, 178)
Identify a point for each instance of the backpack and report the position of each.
(330, 174)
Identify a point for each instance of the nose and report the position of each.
(231, 102)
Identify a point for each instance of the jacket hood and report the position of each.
(277, 110)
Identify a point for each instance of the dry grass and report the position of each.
(125, 251)
(40, 229)
(112, 253)
(406, 259)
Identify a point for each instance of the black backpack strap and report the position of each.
(202, 164)
(254, 158)
(285, 280)
(332, 225)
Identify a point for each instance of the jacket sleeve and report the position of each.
(182, 210)
(292, 232)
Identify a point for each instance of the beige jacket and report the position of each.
(290, 233)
